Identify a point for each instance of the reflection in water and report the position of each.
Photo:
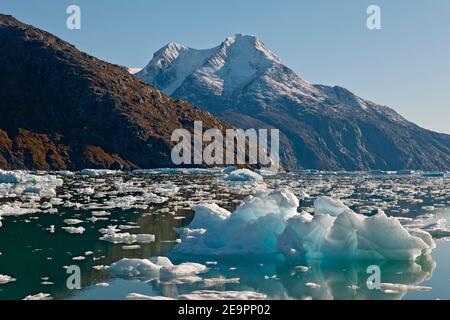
(284, 281)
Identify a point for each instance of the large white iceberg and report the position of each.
(268, 223)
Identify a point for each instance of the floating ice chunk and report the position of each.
(395, 287)
(22, 182)
(39, 296)
(99, 172)
(182, 270)
(109, 230)
(161, 261)
(222, 295)
(155, 267)
(15, 209)
(135, 268)
(244, 175)
(138, 296)
(79, 258)
(6, 279)
(102, 284)
(302, 268)
(312, 285)
(268, 223)
(353, 236)
(101, 213)
(211, 282)
(253, 228)
(74, 230)
(128, 238)
(72, 221)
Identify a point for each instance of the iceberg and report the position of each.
(154, 268)
(6, 279)
(244, 175)
(268, 223)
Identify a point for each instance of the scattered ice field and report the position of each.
(224, 234)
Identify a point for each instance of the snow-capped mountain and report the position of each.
(321, 127)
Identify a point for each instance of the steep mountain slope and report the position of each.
(321, 127)
(63, 109)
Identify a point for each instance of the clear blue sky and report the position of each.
(406, 65)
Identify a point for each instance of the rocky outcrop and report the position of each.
(63, 109)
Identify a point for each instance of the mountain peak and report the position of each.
(247, 43)
(232, 64)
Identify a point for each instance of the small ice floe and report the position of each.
(51, 229)
(79, 258)
(131, 247)
(301, 268)
(211, 282)
(138, 296)
(312, 285)
(39, 296)
(113, 235)
(73, 221)
(397, 288)
(74, 230)
(6, 279)
(100, 267)
(128, 227)
(102, 284)
(155, 268)
(88, 253)
(222, 295)
(100, 214)
(244, 175)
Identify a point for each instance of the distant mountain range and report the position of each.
(63, 109)
(322, 127)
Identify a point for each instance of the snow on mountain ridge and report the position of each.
(239, 68)
(232, 64)
(172, 64)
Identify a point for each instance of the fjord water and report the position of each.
(37, 258)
